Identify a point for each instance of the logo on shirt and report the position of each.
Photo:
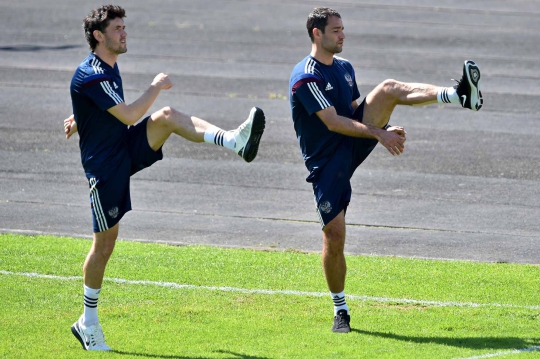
(113, 212)
(115, 85)
(328, 87)
(349, 79)
(325, 207)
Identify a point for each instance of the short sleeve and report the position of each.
(356, 92)
(100, 89)
(309, 89)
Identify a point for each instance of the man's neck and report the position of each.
(107, 56)
(323, 56)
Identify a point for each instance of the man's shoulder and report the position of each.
(89, 72)
(91, 66)
(343, 62)
(307, 68)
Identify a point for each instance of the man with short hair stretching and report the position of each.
(113, 147)
(336, 132)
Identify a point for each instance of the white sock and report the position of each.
(339, 302)
(90, 306)
(219, 137)
(447, 95)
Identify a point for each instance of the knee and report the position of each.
(334, 241)
(391, 88)
(162, 116)
(104, 251)
(169, 117)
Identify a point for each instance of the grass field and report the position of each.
(171, 302)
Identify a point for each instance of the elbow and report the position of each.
(129, 119)
(332, 127)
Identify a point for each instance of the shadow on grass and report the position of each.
(165, 356)
(467, 342)
(33, 48)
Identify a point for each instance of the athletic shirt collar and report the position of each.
(106, 65)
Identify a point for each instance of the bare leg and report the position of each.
(380, 102)
(168, 120)
(333, 258)
(96, 261)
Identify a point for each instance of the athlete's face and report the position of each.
(115, 36)
(332, 39)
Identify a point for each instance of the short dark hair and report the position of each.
(99, 19)
(318, 19)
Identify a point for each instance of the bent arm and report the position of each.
(393, 139)
(346, 126)
(130, 114)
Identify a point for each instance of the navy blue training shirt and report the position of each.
(315, 86)
(95, 88)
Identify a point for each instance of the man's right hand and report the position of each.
(70, 126)
(162, 82)
(393, 139)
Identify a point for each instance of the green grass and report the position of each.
(151, 321)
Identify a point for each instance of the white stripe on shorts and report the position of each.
(97, 208)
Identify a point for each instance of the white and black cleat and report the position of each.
(468, 88)
(91, 338)
(248, 135)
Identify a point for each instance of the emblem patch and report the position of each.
(475, 75)
(113, 212)
(349, 79)
(325, 207)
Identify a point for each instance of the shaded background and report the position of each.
(465, 188)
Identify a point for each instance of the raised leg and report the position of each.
(168, 120)
(380, 102)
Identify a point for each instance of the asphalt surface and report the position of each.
(467, 186)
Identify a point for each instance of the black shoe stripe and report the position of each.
(257, 129)
(75, 330)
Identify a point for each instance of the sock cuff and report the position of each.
(91, 292)
(338, 295)
(211, 133)
(447, 95)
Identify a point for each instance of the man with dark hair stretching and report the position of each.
(113, 147)
(336, 132)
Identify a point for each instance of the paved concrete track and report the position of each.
(467, 186)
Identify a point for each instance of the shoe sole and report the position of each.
(257, 128)
(472, 71)
(77, 335)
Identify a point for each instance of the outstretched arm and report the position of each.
(130, 114)
(393, 138)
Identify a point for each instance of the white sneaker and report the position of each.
(90, 337)
(248, 135)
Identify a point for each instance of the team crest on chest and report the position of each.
(349, 79)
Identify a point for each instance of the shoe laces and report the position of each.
(238, 132)
(342, 320)
(242, 126)
(95, 335)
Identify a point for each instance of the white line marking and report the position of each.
(363, 298)
(509, 352)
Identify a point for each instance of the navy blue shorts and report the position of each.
(109, 195)
(331, 183)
